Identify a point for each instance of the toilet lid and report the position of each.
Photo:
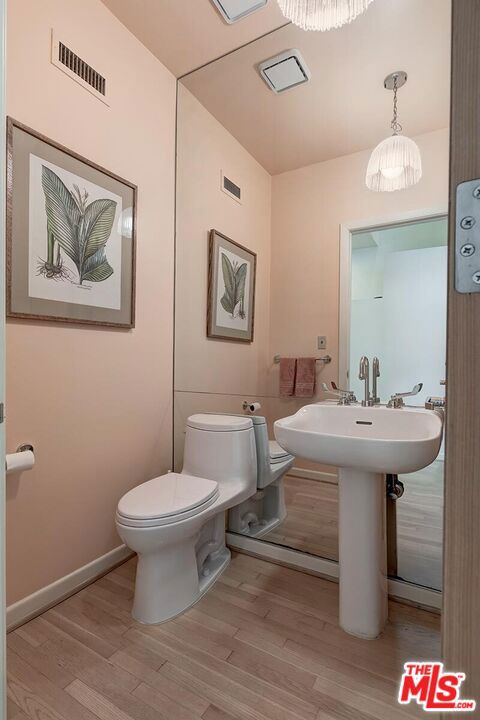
(219, 423)
(167, 495)
(276, 451)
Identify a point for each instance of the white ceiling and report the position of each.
(344, 109)
(185, 34)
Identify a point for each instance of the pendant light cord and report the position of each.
(396, 127)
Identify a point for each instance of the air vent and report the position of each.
(73, 65)
(233, 10)
(231, 188)
(285, 71)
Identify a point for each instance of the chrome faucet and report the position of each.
(345, 397)
(364, 374)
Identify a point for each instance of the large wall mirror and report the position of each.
(276, 164)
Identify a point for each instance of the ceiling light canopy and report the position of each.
(322, 14)
(233, 10)
(396, 163)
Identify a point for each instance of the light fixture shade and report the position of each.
(322, 14)
(395, 164)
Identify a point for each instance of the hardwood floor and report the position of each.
(263, 644)
(311, 525)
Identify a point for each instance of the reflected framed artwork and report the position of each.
(231, 289)
(70, 235)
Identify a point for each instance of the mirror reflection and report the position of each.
(312, 184)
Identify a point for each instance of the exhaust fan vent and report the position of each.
(230, 188)
(233, 10)
(285, 71)
(68, 61)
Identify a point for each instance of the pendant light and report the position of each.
(322, 14)
(396, 163)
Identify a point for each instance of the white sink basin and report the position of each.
(377, 439)
(365, 444)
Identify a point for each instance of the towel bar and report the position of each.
(327, 359)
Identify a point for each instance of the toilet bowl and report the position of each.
(176, 523)
(266, 509)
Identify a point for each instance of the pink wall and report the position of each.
(205, 148)
(95, 403)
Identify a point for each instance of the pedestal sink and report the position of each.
(365, 444)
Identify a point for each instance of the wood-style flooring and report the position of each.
(311, 525)
(263, 644)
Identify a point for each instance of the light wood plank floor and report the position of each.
(263, 644)
(311, 525)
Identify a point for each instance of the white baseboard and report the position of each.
(317, 475)
(328, 569)
(40, 601)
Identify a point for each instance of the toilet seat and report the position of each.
(277, 453)
(166, 499)
(219, 423)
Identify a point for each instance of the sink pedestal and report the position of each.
(362, 552)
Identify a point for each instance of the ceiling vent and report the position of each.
(285, 71)
(233, 10)
(70, 63)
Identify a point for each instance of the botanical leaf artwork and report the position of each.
(234, 277)
(77, 228)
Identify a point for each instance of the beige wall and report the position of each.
(95, 403)
(226, 370)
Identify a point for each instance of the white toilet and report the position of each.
(266, 509)
(176, 523)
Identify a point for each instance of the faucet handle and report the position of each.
(345, 396)
(396, 401)
(376, 367)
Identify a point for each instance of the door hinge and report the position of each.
(2, 413)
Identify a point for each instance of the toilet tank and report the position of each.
(221, 448)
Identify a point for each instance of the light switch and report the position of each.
(322, 342)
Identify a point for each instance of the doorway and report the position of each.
(396, 283)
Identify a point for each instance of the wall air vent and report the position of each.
(72, 64)
(233, 10)
(231, 188)
(285, 71)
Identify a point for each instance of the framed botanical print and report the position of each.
(70, 235)
(231, 289)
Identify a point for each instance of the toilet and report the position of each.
(176, 523)
(266, 509)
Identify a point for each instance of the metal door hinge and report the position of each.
(2, 413)
(467, 237)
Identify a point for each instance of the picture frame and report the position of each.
(231, 289)
(71, 235)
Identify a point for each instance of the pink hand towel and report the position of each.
(287, 376)
(306, 376)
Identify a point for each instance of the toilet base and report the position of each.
(260, 530)
(261, 513)
(172, 579)
(204, 585)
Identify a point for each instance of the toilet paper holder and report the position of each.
(14, 464)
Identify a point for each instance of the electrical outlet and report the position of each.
(322, 342)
